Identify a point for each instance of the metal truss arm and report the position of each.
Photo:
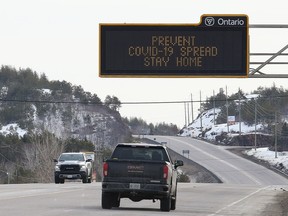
(252, 73)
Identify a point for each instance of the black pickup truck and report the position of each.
(140, 171)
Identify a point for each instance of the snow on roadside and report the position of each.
(206, 119)
(269, 156)
(12, 129)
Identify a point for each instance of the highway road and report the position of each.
(194, 199)
(248, 189)
(230, 168)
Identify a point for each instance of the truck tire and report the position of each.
(165, 204)
(116, 203)
(114, 200)
(173, 203)
(106, 201)
(173, 200)
(89, 180)
(57, 180)
(85, 179)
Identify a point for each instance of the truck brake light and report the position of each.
(105, 169)
(165, 172)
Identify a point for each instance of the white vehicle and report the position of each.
(73, 165)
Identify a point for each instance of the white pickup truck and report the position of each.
(73, 165)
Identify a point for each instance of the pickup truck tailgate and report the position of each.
(135, 171)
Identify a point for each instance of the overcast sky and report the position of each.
(61, 39)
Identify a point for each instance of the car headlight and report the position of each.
(57, 168)
(83, 168)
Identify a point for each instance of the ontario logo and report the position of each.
(209, 21)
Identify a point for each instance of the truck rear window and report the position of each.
(140, 153)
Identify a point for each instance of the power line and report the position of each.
(125, 103)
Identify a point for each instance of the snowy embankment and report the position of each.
(12, 129)
(206, 122)
(278, 159)
(211, 130)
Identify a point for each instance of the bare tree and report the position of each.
(40, 153)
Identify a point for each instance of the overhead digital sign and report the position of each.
(216, 47)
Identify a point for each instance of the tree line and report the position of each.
(268, 106)
(266, 102)
(30, 158)
(19, 87)
(139, 126)
(24, 94)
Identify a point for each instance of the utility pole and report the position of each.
(227, 111)
(240, 120)
(192, 111)
(276, 131)
(188, 113)
(255, 138)
(185, 115)
(201, 113)
(214, 107)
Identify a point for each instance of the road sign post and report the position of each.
(186, 152)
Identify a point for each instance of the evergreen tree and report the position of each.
(112, 102)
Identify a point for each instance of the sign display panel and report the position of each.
(216, 47)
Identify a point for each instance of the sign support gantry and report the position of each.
(255, 72)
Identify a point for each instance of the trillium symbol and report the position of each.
(209, 21)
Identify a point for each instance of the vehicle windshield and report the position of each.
(71, 157)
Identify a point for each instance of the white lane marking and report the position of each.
(39, 194)
(223, 161)
(238, 201)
